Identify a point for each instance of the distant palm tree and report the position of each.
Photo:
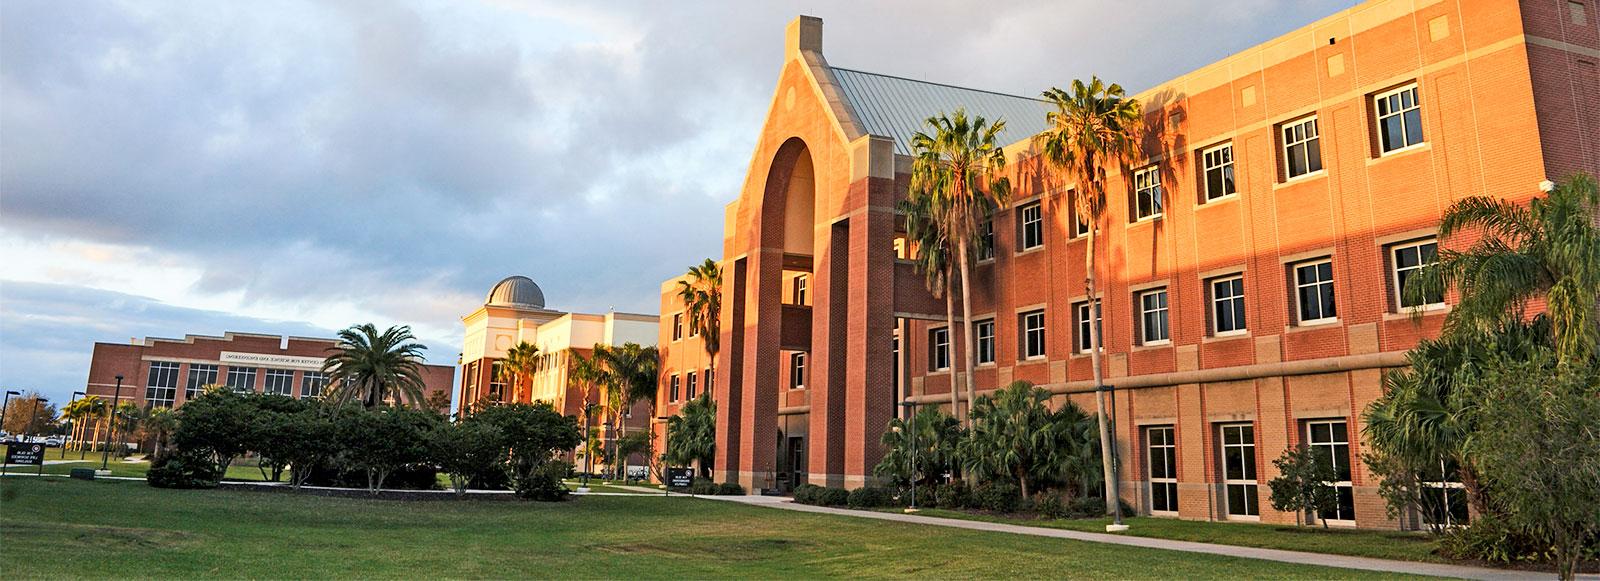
(1091, 128)
(372, 366)
(701, 294)
(159, 424)
(586, 374)
(962, 166)
(692, 435)
(521, 362)
(84, 412)
(629, 373)
(934, 257)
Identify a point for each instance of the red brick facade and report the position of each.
(1506, 95)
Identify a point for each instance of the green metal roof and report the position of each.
(897, 107)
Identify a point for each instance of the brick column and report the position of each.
(829, 334)
(869, 386)
(728, 390)
(761, 371)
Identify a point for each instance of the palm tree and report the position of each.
(932, 255)
(585, 374)
(961, 166)
(1548, 249)
(692, 435)
(521, 362)
(375, 366)
(160, 423)
(1091, 127)
(701, 294)
(82, 413)
(629, 375)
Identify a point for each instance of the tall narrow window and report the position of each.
(1399, 118)
(1162, 449)
(1444, 497)
(939, 349)
(677, 326)
(1313, 283)
(200, 376)
(801, 284)
(691, 385)
(162, 386)
(1239, 469)
(1153, 317)
(1032, 325)
(1080, 319)
(1330, 441)
(312, 384)
(985, 332)
(1408, 260)
(797, 370)
(242, 379)
(1218, 171)
(675, 381)
(278, 382)
(1032, 226)
(1302, 148)
(1147, 192)
(986, 232)
(1227, 305)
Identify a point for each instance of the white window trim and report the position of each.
(1211, 288)
(1315, 518)
(1204, 169)
(1377, 121)
(1149, 449)
(978, 339)
(993, 241)
(800, 381)
(1251, 447)
(1297, 286)
(1283, 148)
(933, 347)
(1394, 275)
(1143, 337)
(1043, 346)
(1156, 200)
(1022, 231)
(1078, 312)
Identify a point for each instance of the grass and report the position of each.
(1396, 545)
(59, 528)
(127, 469)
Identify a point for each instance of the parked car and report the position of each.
(54, 441)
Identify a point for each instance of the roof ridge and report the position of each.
(908, 79)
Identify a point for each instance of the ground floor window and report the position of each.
(1239, 469)
(311, 384)
(1161, 447)
(1444, 497)
(1330, 441)
(201, 376)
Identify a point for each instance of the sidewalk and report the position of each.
(1342, 561)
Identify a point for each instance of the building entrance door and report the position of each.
(797, 461)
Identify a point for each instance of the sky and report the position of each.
(172, 168)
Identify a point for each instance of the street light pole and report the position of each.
(111, 418)
(588, 441)
(911, 408)
(6, 404)
(75, 395)
(1116, 471)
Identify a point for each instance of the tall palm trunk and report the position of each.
(1094, 363)
(950, 325)
(967, 361)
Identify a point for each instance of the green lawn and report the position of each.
(128, 469)
(1403, 546)
(60, 528)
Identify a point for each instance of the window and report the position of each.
(1399, 118)
(797, 370)
(1147, 192)
(1444, 497)
(1579, 14)
(1080, 225)
(1162, 449)
(200, 376)
(1239, 469)
(1032, 226)
(1080, 312)
(1218, 171)
(1330, 441)
(242, 379)
(1302, 148)
(691, 385)
(497, 382)
(986, 231)
(162, 385)
(1313, 283)
(675, 380)
(799, 291)
(677, 326)
(1032, 325)
(311, 384)
(939, 349)
(985, 331)
(279, 382)
(1227, 305)
(707, 374)
(1153, 317)
(1409, 259)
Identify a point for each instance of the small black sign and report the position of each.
(680, 477)
(31, 454)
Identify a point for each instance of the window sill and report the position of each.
(1153, 345)
(1424, 310)
(943, 371)
(1032, 360)
(1233, 197)
(1164, 513)
(1308, 325)
(1241, 518)
(1228, 336)
(1402, 152)
(986, 365)
(1028, 251)
(1297, 180)
(1083, 354)
(1147, 220)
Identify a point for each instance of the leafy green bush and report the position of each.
(1490, 538)
(544, 483)
(954, 495)
(183, 469)
(927, 496)
(1052, 505)
(703, 487)
(730, 489)
(806, 493)
(1086, 507)
(997, 496)
(833, 497)
(870, 497)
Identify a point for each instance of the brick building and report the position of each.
(168, 372)
(1249, 259)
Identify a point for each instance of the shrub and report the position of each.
(1491, 538)
(997, 496)
(703, 487)
(183, 469)
(544, 483)
(954, 495)
(806, 493)
(730, 489)
(1086, 507)
(927, 496)
(833, 497)
(870, 497)
(1052, 505)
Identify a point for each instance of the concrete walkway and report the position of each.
(1346, 562)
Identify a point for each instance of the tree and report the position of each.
(1303, 485)
(629, 372)
(82, 413)
(127, 420)
(1543, 458)
(586, 374)
(384, 439)
(159, 423)
(701, 293)
(373, 367)
(692, 435)
(466, 449)
(439, 401)
(218, 422)
(311, 438)
(931, 450)
(28, 413)
(272, 428)
(642, 444)
(517, 369)
(531, 434)
(1015, 437)
(962, 167)
(932, 255)
(1092, 127)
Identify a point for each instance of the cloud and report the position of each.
(390, 161)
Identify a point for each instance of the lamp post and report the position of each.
(911, 410)
(75, 395)
(34, 416)
(6, 404)
(1112, 487)
(105, 452)
(588, 441)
